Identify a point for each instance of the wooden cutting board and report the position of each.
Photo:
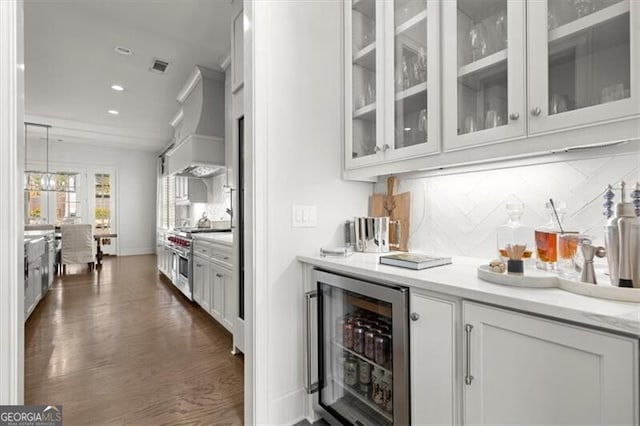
(397, 207)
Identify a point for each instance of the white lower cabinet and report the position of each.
(222, 296)
(217, 292)
(200, 269)
(433, 360)
(521, 369)
(213, 287)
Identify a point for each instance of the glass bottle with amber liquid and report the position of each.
(547, 238)
(514, 232)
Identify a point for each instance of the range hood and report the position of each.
(198, 149)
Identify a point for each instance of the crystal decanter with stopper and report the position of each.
(514, 232)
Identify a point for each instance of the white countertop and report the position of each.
(460, 279)
(224, 238)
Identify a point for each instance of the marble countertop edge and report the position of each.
(460, 280)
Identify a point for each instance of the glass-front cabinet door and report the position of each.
(363, 81)
(584, 62)
(483, 72)
(412, 78)
(392, 80)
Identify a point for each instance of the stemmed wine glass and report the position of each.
(422, 124)
(501, 26)
(478, 41)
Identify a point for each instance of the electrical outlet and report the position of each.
(304, 216)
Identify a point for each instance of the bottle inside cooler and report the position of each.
(362, 363)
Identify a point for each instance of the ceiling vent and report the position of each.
(159, 66)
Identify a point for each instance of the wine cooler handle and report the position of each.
(230, 210)
(467, 330)
(311, 387)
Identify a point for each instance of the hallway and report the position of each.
(120, 346)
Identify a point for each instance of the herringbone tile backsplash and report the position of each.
(458, 214)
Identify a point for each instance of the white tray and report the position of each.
(534, 278)
(531, 278)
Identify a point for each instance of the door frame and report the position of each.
(11, 217)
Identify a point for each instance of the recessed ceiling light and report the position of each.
(113, 112)
(123, 50)
(117, 88)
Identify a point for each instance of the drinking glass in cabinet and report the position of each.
(478, 41)
(589, 53)
(363, 30)
(410, 43)
(482, 65)
(501, 27)
(363, 77)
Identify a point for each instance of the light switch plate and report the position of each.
(304, 216)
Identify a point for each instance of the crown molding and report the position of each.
(226, 61)
(101, 135)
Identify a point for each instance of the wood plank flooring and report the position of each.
(121, 346)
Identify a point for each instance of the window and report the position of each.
(65, 201)
(103, 203)
(167, 213)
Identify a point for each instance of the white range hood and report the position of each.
(199, 126)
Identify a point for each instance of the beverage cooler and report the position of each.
(362, 351)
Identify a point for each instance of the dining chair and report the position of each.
(77, 245)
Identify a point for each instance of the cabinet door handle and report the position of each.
(311, 387)
(230, 211)
(385, 147)
(536, 111)
(414, 316)
(199, 265)
(514, 116)
(226, 258)
(376, 149)
(467, 330)
(219, 275)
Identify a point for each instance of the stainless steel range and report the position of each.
(180, 242)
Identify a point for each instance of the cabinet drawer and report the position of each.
(214, 252)
(203, 248)
(222, 255)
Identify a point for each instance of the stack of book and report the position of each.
(414, 260)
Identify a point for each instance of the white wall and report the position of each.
(458, 214)
(135, 186)
(297, 63)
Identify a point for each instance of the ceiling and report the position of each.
(71, 64)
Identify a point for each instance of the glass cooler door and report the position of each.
(363, 351)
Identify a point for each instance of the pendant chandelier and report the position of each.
(37, 180)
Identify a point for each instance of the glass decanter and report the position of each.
(514, 232)
(547, 237)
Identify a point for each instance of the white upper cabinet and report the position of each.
(484, 71)
(584, 62)
(582, 70)
(391, 96)
(512, 78)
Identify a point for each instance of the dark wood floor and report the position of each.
(120, 346)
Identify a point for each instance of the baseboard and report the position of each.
(288, 409)
(137, 251)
